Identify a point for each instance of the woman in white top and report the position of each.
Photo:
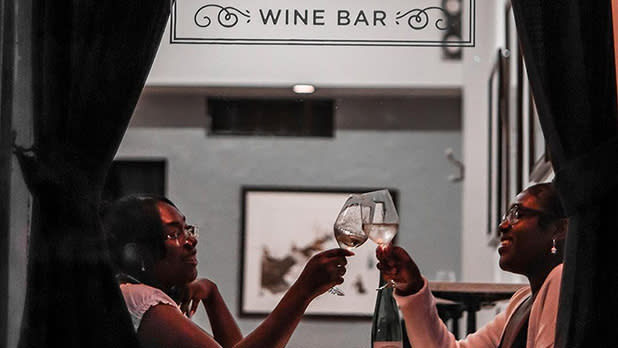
(153, 249)
(532, 235)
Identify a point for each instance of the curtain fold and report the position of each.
(568, 50)
(90, 63)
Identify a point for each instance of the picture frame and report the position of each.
(498, 166)
(282, 227)
(516, 81)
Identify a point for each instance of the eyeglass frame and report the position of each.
(188, 231)
(519, 208)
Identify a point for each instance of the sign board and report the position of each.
(324, 22)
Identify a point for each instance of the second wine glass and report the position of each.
(380, 220)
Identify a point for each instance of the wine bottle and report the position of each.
(386, 326)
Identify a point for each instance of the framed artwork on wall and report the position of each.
(498, 166)
(282, 228)
(515, 107)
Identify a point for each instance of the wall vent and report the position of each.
(271, 117)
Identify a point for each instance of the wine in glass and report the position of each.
(348, 229)
(380, 220)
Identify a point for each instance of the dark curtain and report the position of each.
(90, 62)
(568, 49)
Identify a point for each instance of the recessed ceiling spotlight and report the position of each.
(303, 89)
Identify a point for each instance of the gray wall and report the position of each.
(205, 174)
(322, 65)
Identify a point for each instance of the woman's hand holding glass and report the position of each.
(398, 267)
(323, 271)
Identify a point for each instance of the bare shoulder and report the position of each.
(164, 326)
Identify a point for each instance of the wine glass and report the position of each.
(380, 220)
(348, 228)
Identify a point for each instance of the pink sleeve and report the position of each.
(426, 329)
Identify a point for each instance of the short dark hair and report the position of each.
(549, 200)
(134, 232)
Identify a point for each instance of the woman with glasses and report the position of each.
(532, 235)
(154, 252)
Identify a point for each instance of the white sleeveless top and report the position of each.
(140, 297)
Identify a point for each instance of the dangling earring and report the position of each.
(553, 248)
(143, 268)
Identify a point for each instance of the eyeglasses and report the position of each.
(516, 212)
(188, 231)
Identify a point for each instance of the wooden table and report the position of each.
(473, 296)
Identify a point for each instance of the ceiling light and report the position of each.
(303, 89)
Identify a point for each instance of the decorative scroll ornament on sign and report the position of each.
(227, 16)
(418, 19)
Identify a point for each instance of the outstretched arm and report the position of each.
(165, 326)
(423, 325)
(323, 271)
